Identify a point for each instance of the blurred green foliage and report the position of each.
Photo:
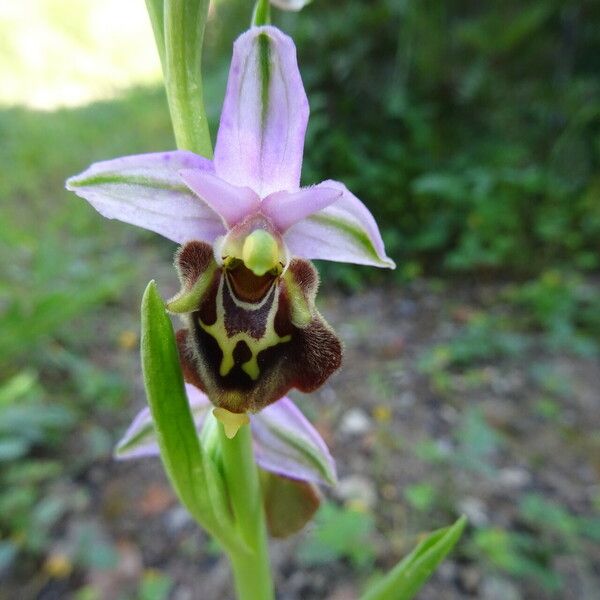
(551, 531)
(340, 533)
(546, 530)
(60, 263)
(472, 130)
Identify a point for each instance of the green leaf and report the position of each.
(17, 387)
(193, 476)
(420, 496)
(407, 578)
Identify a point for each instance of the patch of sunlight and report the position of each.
(57, 53)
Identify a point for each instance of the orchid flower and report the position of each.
(287, 448)
(247, 229)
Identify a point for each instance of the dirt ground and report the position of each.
(475, 437)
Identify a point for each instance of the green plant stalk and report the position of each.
(156, 12)
(262, 13)
(179, 33)
(184, 22)
(251, 568)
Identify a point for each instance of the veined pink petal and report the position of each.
(140, 438)
(265, 112)
(146, 190)
(285, 209)
(232, 203)
(286, 443)
(344, 231)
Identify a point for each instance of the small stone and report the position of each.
(328, 394)
(357, 490)
(407, 308)
(499, 588)
(183, 593)
(156, 499)
(447, 570)
(449, 414)
(445, 446)
(344, 592)
(475, 511)
(389, 491)
(514, 477)
(407, 399)
(470, 579)
(355, 422)
(177, 519)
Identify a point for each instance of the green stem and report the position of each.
(251, 568)
(262, 13)
(184, 23)
(156, 11)
(179, 32)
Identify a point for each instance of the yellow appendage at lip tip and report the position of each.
(231, 421)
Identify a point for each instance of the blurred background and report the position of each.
(472, 373)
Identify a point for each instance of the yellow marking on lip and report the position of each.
(227, 344)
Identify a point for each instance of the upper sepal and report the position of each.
(263, 122)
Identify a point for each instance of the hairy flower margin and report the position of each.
(247, 229)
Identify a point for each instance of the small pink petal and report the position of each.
(232, 203)
(287, 208)
(140, 440)
(344, 231)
